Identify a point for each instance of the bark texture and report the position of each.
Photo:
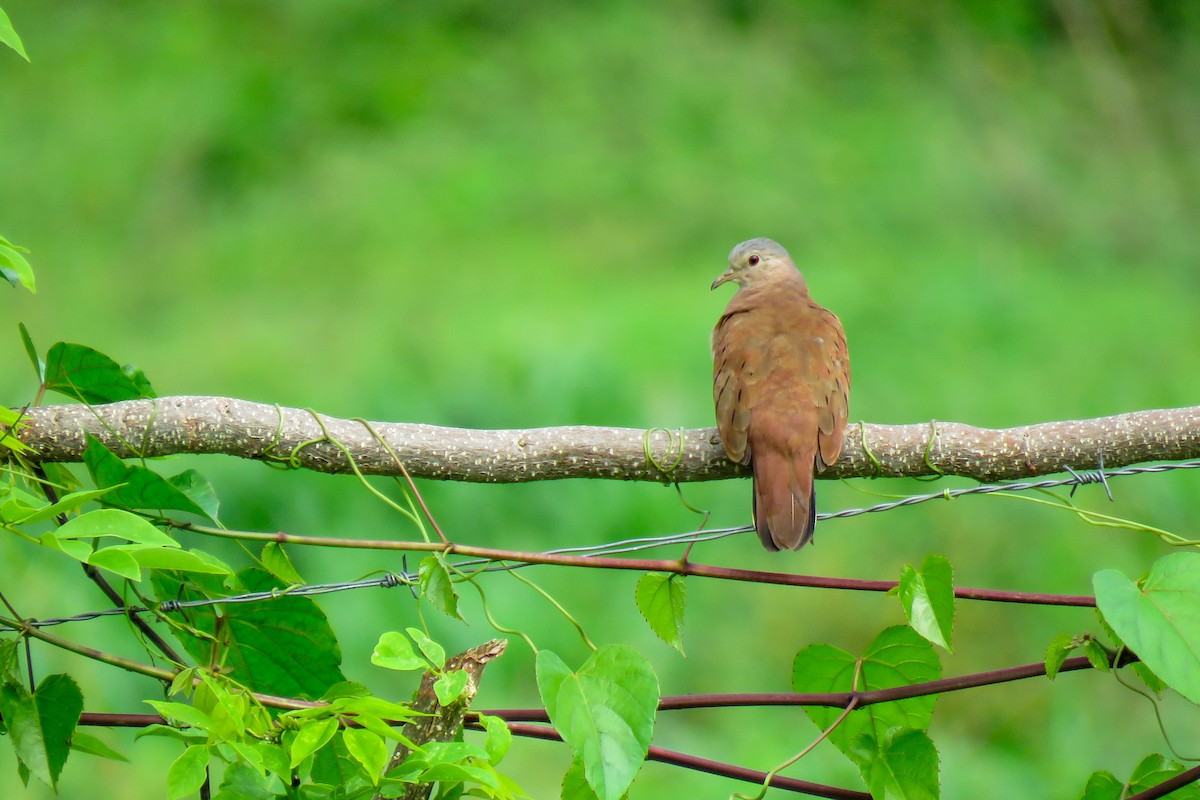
(306, 439)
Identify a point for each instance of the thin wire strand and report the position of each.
(407, 578)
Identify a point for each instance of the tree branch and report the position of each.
(171, 425)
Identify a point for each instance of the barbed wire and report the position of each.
(405, 578)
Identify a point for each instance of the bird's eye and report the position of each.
(753, 260)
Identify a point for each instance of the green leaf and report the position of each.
(41, 723)
(59, 705)
(12, 421)
(189, 772)
(118, 561)
(1161, 621)
(605, 712)
(90, 376)
(243, 782)
(86, 743)
(367, 749)
(281, 646)
(195, 487)
(67, 503)
(117, 523)
(575, 785)
(275, 560)
(8, 35)
(135, 486)
(498, 739)
(167, 732)
(928, 599)
(1152, 681)
(449, 687)
(393, 651)
(1153, 770)
(662, 599)
(1057, 651)
(434, 578)
(897, 657)
(39, 366)
(904, 766)
(1102, 785)
(311, 737)
(13, 266)
(168, 558)
(1097, 655)
(80, 551)
(182, 713)
(428, 647)
(334, 766)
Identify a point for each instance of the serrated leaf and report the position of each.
(393, 651)
(334, 766)
(59, 705)
(605, 712)
(898, 656)
(928, 599)
(433, 576)
(904, 766)
(188, 772)
(449, 687)
(662, 600)
(1097, 655)
(1152, 681)
(428, 647)
(1160, 622)
(283, 646)
(1056, 652)
(574, 784)
(40, 732)
(367, 749)
(90, 376)
(275, 560)
(135, 486)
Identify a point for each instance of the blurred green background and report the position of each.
(508, 215)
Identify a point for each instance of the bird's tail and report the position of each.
(784, 499)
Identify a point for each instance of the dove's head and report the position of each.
(758, 261)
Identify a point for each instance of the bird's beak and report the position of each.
(727, 275)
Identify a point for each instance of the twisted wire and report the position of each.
(407, 578)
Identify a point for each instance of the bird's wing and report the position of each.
(733, 410)
(830, 384)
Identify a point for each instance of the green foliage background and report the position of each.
(506, 215)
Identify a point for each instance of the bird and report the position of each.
(781, 387)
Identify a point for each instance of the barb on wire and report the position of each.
(1077, 479)
(410, 579)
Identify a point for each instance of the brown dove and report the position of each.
(781, 384)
